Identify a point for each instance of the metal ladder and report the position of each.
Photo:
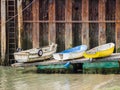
(11, 30)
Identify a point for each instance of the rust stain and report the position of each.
(35, 31)
(102, 27)
(52, 26)
(117, 31)
(68, 26)
(85, 26)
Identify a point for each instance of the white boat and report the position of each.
(72, 53)
(35, 54)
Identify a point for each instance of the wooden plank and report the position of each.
(102, 26)
(52, 26)
(117, 31)
(68, 26)
(3, 30)
(113, 57)
(85, 26)
(35, 31)
(20, 22)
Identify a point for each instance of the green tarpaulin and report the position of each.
(56, 66)
(112, 64)
(52, 67)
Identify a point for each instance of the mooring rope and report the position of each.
(7, 63)
(21, 12)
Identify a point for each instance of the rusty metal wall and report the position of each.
(76, 22)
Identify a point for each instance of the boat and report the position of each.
(54, 66)
(100, 51)
(100, 65)
(75, 52)
(35, 54)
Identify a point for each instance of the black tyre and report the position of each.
(40, 52)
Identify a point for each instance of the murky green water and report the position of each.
(19, 79)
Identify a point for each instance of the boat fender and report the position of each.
(40, 52)
(19, 49)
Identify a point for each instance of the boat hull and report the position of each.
(32, 54)
(72, 53)
(99, 53)
(67, 56)
(101, 65)
(54, 66)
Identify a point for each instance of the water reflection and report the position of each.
(14, 79)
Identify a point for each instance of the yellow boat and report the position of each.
(100, 51)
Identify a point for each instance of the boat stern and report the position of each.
(21, 56)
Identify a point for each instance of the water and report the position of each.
(19, 79)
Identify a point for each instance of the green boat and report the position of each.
(111, 64)
(101, 67)
(54, 66)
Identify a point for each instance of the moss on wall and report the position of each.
(118, 50)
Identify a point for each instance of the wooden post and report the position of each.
(102, 26)
(20, 22)
(68, 26)
(52, 27)
(35, 31)
(85, 26)
(117, 31)
(3, 30)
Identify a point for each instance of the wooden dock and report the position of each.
(113, 57)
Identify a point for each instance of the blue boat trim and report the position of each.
(75, 49)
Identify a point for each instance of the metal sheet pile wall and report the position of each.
(67, 22)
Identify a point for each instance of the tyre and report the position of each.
(40, 52)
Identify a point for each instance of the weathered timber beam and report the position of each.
(85, 26)
(35, 30)
(113, 57)
(20, 22)
(3, 30)
(68, 26)
(102, 26)
(52, 26)
(117, 31)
